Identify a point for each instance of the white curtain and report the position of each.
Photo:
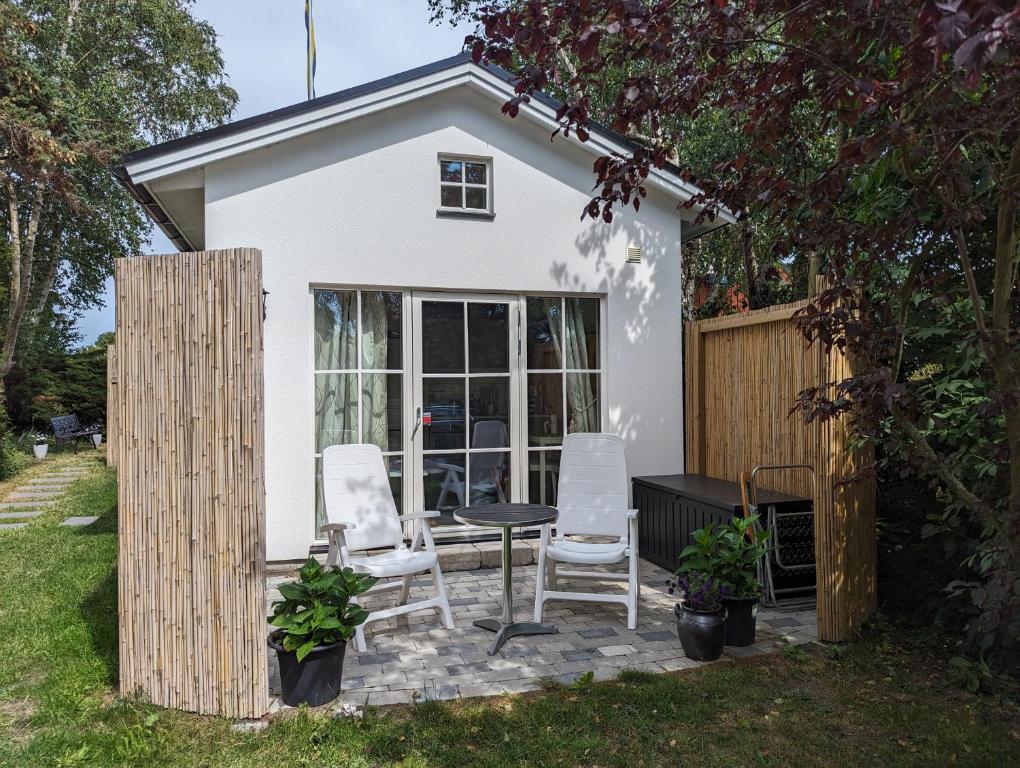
(582, 399)
(374, 343)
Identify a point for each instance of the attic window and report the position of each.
(465, 185)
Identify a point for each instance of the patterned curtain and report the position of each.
(582, 400)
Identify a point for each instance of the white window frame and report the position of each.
(464, 185)
(411, 385)
(563, 371)
(361, 370)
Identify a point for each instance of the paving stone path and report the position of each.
(414, 658)
(31, 499)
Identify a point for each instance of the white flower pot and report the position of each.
(40, 450)
(97, 440)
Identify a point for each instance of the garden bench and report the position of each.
(67, 429)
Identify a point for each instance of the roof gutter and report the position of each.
(153, 209)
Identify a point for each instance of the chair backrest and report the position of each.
(356, 489)
(65, 425)
(490, 434)
(592, 494)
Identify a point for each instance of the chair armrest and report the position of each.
(327, 527)
(419, 515)
(632, 514)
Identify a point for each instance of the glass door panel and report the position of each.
(464, 434)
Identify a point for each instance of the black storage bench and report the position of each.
(672, 507)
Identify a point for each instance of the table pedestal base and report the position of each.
(514, 629)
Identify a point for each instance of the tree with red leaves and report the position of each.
(913, 215)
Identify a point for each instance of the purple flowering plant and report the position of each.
(699, 591)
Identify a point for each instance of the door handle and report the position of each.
(417, 422)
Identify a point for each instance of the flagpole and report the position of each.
(309, 49)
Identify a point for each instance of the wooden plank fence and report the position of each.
(187, 373)
(742, 375)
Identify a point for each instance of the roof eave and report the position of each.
(153, 209)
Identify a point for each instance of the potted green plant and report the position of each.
(314, 621)
(731, 554)
(700, 617)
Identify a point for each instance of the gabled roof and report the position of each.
(152, 163)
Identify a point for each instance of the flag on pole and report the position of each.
(310, 44)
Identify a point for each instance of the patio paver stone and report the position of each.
(77, 521)
(413, 658)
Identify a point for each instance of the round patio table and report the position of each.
(508, 516)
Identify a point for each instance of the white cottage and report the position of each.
(433, 289)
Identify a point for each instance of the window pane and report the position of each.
(381, 410)
(475, 173)
(393, 465)
(474, 197)
(489, 338)
(545, 408)
(336, 330)
(582, 402)
(443, 400)
(444, 485)
(543, 332)
(442, 337)
(490, 412)
(543, 476)
(582, 333)
(381, 330)
(336, 409)
(450, 196)
(450, 170)
(490, 478)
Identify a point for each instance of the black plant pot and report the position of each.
(316, 679)
(702, 633)
(741, 620)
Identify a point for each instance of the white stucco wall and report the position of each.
(356, 204)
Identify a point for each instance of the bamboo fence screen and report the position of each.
(187, 373)
(742, 375)
(112, 405)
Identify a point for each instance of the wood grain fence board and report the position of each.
(742, 376)
(189, 450)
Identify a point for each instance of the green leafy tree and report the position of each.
(81, 83)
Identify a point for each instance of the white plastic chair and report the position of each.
(362, 516)
(592, 501)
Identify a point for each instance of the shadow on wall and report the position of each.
(639, 294)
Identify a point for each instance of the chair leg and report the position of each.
(633, 591)
(437, 579)
(359, 639)
(405, 590)
(540, 585)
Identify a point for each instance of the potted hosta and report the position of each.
(731, 554)
(314, 621)
(40, 445)
(700, 619)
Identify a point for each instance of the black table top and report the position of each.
(510, 515)
(716, 492)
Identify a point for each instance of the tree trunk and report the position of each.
(813, 271)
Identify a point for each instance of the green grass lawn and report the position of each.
(873, 703)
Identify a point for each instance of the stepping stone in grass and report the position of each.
(79, 521)
(11, 526)
(30, 495)
(51, 481)
(26, 504)
(15, 515)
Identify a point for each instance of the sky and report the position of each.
(264, 51)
